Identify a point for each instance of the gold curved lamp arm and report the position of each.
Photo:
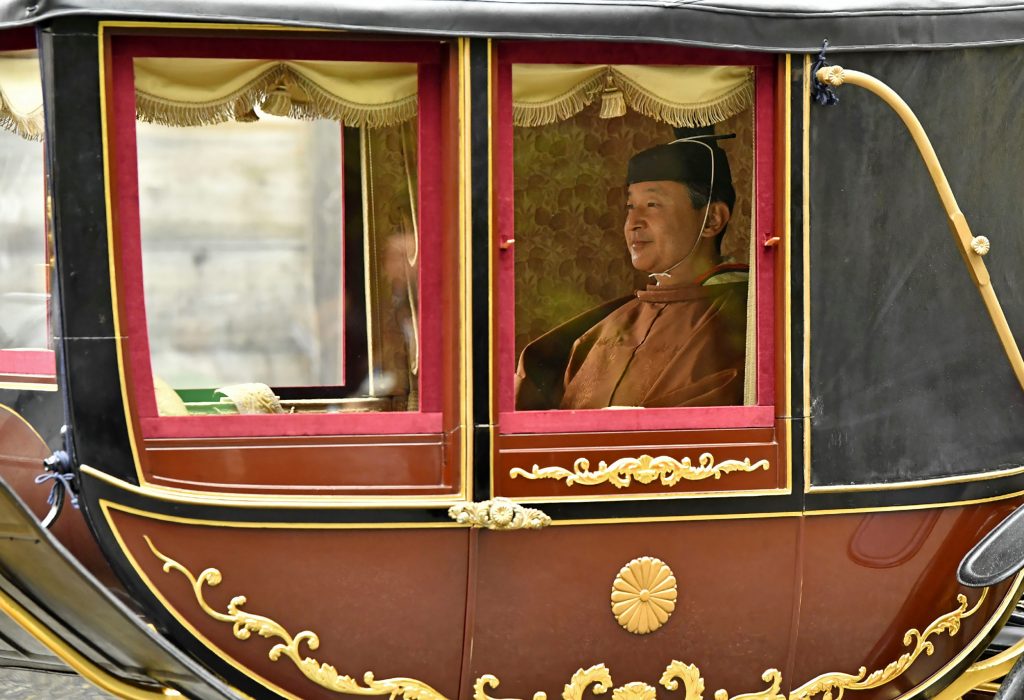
(972, 248)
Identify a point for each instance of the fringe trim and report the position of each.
(703, 114)
(562, 107)
(637, 98)
(236, 106)
(325, 105)
(28, 126)
(239, 105)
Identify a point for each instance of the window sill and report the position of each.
(289, 425)
(608, 420)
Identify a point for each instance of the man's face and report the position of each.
(661, 224)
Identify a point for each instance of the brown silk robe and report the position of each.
(681, 345)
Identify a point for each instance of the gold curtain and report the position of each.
(676, 95)
(21, 94)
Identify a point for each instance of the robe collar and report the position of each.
(700, 288)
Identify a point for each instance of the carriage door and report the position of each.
(629, 486)
(285, 279)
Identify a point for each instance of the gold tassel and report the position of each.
(278, 102)
(613, 104)
(247, 116)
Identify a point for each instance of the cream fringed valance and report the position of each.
(21, 96)
(678, 95)
(188, 91)
(194, 91)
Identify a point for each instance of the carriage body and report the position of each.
(290, 405)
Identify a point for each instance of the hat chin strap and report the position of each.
(660, 277)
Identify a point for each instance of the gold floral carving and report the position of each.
(601, 679)
(244, 624)
(635, 691)
(643, 469)
(774, 679)
(598, 676)
(643, 595)
(689, 674)
(831, 686)
(498, 514)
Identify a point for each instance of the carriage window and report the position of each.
(630, 274)
(25, 344)
(282, 246)
(267, 289)
(267, 278)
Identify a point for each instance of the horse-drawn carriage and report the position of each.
(358, 394)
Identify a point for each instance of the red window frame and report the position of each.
(128, 251)
(762, 414)
(34, 365)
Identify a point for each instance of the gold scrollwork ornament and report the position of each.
(600, 678)
(831, 686)
(635, 691)
(644, 595)
(498, 514)
(243, 624)
(643, 469)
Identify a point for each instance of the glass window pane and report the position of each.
(280, 265)
(23, 271)
(632, 297)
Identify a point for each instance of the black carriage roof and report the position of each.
(763, 25)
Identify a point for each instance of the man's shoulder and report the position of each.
(541, 369)
(726, 273)
(560, 338)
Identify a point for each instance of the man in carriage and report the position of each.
(680, 341)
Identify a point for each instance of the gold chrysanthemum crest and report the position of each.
(644, 595)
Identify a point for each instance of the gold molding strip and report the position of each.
(982, 673)
(643, 469)
(28, 386)
(96, 675)
(498, 514)
(831, 686)
(972, 248)
(465, 267)
(220, 499)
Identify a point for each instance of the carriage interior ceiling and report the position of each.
(407, 349)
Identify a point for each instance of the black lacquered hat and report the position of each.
(695, 161)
